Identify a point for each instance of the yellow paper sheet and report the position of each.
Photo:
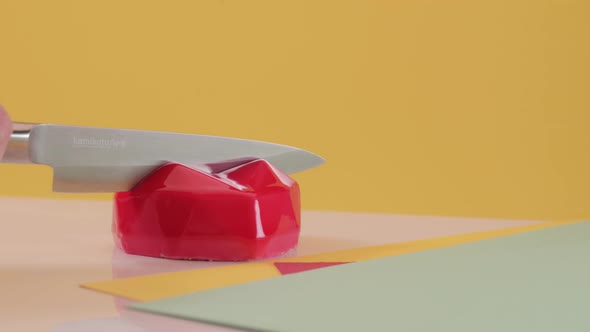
(158, 286)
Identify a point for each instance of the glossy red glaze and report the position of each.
(251, 211)
(297, 267)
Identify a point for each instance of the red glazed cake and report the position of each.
(251, 211)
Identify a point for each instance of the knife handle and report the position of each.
(17, 150)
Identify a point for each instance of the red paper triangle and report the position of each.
(290, 268)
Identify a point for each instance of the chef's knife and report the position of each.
(91, 159)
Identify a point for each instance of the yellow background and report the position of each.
(470, 108)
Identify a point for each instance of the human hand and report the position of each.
(5, 130)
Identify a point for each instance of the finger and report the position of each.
(5, 130)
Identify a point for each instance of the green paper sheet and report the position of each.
(535, 281)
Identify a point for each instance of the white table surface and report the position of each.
(49, 247)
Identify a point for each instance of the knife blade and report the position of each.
(101, 160)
